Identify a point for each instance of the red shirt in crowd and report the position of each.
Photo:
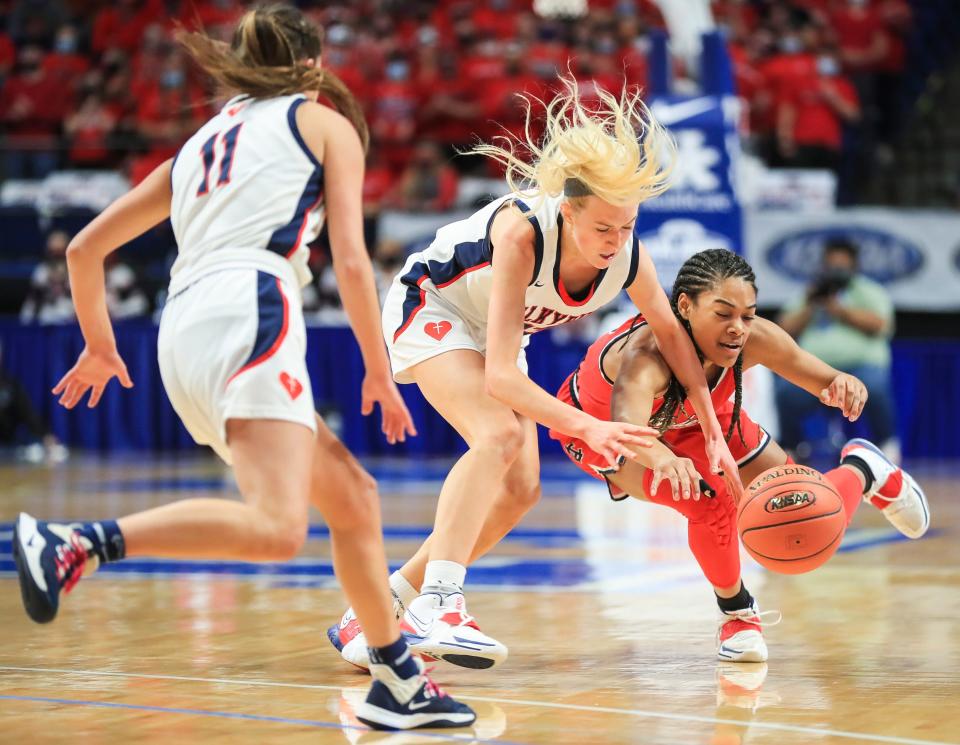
(816, 123)
(33, 105)
(7, 53)
(858, 31)
(123, 26)
(67, 69)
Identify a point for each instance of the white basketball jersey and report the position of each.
(246, 188)
(457, 267)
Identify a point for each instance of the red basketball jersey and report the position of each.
(591, 389)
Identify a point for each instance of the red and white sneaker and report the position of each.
(740, 635)
(894, 492)
(439, 627)
(350, 641)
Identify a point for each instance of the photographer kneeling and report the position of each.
(846, 320)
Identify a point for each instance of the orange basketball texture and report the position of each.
(791, 519)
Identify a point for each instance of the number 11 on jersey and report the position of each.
(226, 162)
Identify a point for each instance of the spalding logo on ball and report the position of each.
(791, 519)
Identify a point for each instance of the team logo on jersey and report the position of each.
(575, 452)
(291, 385)
(437, 329)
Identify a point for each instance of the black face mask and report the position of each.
(831, 281)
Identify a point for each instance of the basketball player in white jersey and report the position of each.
(245, 195)
(458, 317)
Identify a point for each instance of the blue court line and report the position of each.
(461, 737)
(494, 572)
(550, 536)
(545, 537)
(560, 573)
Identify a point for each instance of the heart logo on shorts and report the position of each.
(438, 329)
(292, 386)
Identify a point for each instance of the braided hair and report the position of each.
(701, 272)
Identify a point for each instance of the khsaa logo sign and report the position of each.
(884, 256)
(675, 241)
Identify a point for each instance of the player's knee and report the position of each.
(501, 442)
(524, 491)
(696, 511)
(283, 537)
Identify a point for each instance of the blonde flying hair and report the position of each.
(616, 151)
(266, 58)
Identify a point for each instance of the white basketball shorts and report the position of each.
(232, 345)
(419, 324)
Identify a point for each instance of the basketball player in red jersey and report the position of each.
(625, 378)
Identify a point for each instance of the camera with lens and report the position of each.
(830, 281)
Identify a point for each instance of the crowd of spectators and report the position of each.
(821, 78)
(94, 84)
(91, 84)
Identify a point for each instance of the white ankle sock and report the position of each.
(445, 576)
(403, 589)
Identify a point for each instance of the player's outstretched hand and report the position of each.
(615, 440)
(722, 462)
(91, 373)
(397, 422)
(847, 393)
(683, 476)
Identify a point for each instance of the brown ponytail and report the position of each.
(336, 92)
(266, 59)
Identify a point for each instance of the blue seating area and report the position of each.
(142, 419)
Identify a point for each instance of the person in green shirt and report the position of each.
(846, 320)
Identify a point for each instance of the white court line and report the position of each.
(821, 731)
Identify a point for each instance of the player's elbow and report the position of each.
(78, 248)
(351, 269)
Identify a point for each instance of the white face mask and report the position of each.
(827, 66)
(790, 45)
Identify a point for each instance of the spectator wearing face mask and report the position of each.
(780, 61)
(860, 34)
(48, 300)
(812, 115)
(125, 298)
(393, 116)
(65, 64)
(89, 128)
(171, 108)
(845, 319)
(33, 106)
(429, 183)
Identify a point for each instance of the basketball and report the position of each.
(791, 519)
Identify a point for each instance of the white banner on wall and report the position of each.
(914, 253)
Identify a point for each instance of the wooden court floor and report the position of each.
(610, 629)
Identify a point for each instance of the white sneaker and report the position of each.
(438, 626)
(894, 492)
(740, 635)
(350, 641)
